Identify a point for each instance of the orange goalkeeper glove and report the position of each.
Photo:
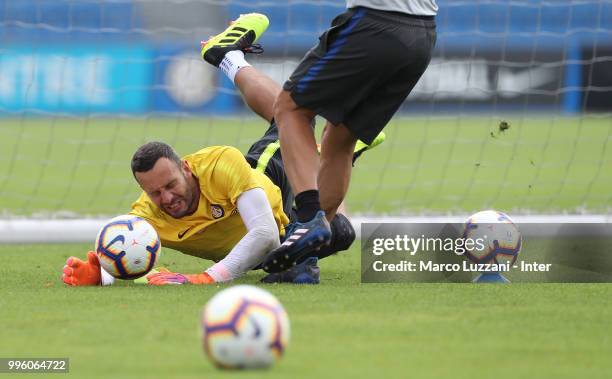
(82, 273)
(167, 277)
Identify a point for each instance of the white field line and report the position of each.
(85, 230)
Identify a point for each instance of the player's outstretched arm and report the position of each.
(262, 236)
(82, 273)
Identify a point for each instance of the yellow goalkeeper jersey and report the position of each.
(215, 227)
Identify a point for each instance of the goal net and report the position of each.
(513, 112)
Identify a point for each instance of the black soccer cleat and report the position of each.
(304, 240)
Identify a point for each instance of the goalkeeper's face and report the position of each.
(170, 187)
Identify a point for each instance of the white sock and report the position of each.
(232, 63)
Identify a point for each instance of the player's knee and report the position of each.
(285, 107)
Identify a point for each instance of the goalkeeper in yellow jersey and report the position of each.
(216, 203)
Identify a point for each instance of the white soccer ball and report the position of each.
(127, 247)
(244, 327)
(500, 239)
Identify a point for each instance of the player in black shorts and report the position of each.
(226, 51)
(358, 75)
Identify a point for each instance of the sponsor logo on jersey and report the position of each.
(182, 234)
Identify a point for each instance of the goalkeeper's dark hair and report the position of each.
(148, 154)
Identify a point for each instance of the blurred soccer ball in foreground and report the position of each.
(501, 238)
(244, 327)
(127, 247)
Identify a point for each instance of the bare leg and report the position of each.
(258, 90)
(343, 209)
(337, 147)
(297, 143)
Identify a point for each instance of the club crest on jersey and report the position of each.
(216, 211)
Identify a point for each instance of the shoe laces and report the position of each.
(253, 49)
(289, 228)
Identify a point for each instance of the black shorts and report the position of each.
(265, 155)
(363, 68)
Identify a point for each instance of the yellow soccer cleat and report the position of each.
(240, 35)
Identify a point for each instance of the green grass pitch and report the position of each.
(340, 329)
(546, 164)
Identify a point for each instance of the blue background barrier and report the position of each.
(75, 78)
(89, 56)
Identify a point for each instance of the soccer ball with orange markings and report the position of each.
(244, 327)
(127, 247)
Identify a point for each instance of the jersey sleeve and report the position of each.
(232, 174)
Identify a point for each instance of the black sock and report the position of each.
(307, 204)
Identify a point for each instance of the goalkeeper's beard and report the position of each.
(176, 209)
(183, 205)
